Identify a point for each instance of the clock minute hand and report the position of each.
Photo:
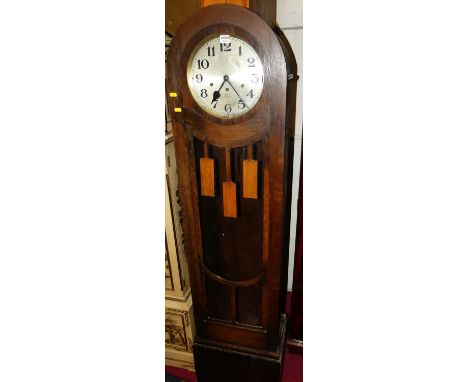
(238, 94)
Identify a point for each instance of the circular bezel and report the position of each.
(233, 76)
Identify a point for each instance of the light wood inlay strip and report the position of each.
(242, 3)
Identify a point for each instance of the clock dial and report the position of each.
(225, 79)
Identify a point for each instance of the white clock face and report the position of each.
(225, 79)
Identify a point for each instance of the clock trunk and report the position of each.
(234, 175)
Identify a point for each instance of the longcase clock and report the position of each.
(229, 82)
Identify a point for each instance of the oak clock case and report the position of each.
(233, 170)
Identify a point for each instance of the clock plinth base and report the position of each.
(215, 364)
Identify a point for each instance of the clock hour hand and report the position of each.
(216, 93)
(240, 98)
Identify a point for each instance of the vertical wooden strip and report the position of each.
(266, 204)
(228, 164)
(250, 176)
(266, 9)
(250, 152)
(229, 190)
(207, 174)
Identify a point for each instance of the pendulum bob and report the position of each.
(207, 174)
(229, 190)
(250, 177)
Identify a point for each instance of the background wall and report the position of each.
(289, 17)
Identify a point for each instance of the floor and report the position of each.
(292, 370)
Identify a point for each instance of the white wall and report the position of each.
(289, 17)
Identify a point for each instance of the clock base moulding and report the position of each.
(221, 363)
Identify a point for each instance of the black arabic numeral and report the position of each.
(240, 50)
(241, 103)
(203, 64)
(255, 78)
(199, 78)
(211, 51)
(225, 47)
(215, 102)
(227, 108)
(204, 93)
(251, 62)
(250, 93)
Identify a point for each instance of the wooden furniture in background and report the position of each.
(179, 313)
(238, 264)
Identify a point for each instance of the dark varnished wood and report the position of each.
(237, 265)
(237, 364)
(240, 283)
(177, 11)
(232, 248)
(266, 9)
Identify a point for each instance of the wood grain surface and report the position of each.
(229, 199)
(249, 175)
(253, 245)
(207, 175)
